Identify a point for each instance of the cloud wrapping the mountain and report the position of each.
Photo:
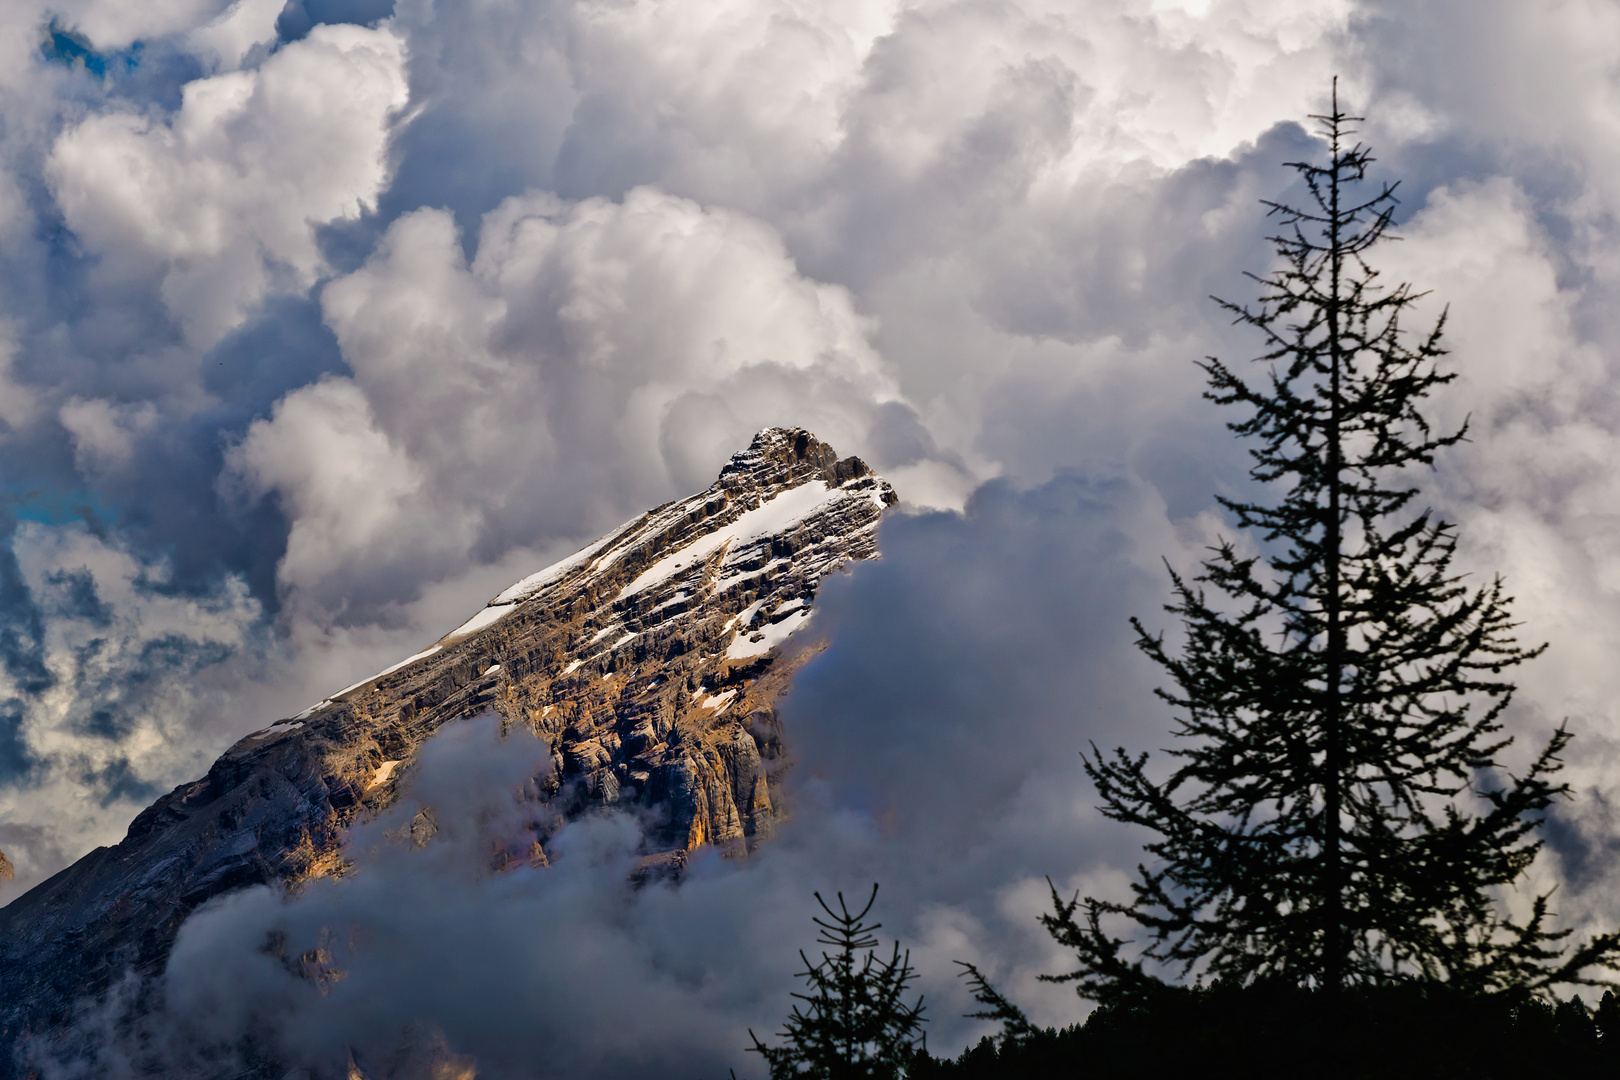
(937, 743)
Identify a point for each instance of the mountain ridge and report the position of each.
(649, 662)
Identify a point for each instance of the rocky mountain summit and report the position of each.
(649, 662)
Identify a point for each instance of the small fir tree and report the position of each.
(854, 1022)
(1337, 814)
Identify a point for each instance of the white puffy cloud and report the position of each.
(219, 204)
(338, 478)
(110, 25)
(104, 434)
(231, 35)
(19, 403)
(979, 174)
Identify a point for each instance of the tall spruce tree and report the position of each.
(1338, 812)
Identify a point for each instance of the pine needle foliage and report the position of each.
(1338, 813)
(994, 1005)
(854, 1024)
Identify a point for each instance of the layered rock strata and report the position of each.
(649, 662)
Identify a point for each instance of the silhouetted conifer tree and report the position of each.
(1337, 812)
(1015, 1026)
(1607, 1021)
(855, 1022)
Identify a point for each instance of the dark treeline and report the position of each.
(1258, 1032)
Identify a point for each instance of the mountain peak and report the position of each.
(778, 453)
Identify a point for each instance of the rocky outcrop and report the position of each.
(7, 871)
(650, 662)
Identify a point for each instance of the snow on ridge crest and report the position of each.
(786, 482)
(776, 500)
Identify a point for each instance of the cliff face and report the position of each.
(649, 662)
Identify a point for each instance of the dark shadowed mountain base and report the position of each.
(1264, 1034)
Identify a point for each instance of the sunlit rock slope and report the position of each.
(649, 662)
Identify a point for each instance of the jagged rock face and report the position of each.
(649, 662)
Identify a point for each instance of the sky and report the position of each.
(322, 321)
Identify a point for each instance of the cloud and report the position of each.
(19, 404)
(104, 434)
(217, 206)
(232, 34)
(106, 681)
(110, 26)
(338, 478)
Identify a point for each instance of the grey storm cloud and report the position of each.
(322, 321)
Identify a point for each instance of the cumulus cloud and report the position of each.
(19, 403)
(233, 34)
(104, 434)
(338, 478)
(218, 205)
